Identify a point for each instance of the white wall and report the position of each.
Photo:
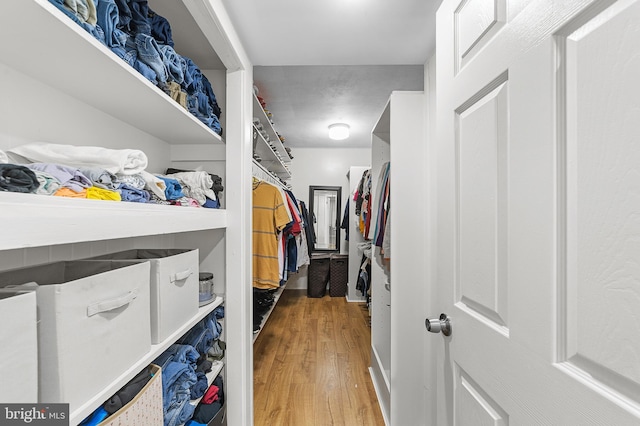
(323, 167)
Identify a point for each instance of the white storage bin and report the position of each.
(93, 324)
(18, 347)
(174, 286)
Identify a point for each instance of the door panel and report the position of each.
(538, 206)
(602, 198)
(474, 407)
(476, 21)
(481, 165)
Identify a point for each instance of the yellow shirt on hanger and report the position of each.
(270, 216)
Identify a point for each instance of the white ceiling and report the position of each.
(317, 62)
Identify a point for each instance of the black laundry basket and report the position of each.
(339, 275)
(319, 269)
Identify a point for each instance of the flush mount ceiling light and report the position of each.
(339, 131)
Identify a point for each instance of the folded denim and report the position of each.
(160, 28)
(139, 17)
(173, 62)
(200, 387)
(218, 312)
(97, 32)
(179, 413)
(108, 20)
(177, 378)
(17, 178)
(192, 76)
(200, 337)
(178, 353)
(198, 105)
(133, 195)
(208, 91)
(133, 16)
(130, 56)
(149, 53)
(193, 104)
(125, 14)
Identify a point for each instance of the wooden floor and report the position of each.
(311, 364)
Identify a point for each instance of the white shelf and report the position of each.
(269, 159)
(258, 112)
(41, 220)
(71, 60)
(87, 408)
(276, 297)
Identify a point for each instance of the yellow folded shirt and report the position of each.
(96, 193)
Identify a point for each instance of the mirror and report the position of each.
(324, 209)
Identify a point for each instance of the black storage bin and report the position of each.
(319, 269)
(339, 275)
(219, 419)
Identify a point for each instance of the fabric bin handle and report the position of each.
(181, 276)
(110, 305)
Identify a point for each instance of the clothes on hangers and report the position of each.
(270, 216)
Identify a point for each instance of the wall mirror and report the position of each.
(324, 208)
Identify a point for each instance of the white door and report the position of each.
(538, 212)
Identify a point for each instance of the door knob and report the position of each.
(443, 324)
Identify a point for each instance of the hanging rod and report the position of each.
(262, 173)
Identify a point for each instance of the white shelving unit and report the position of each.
(396, 321)
(273, 160)
(277, 159)
(96, 400)
(61, 85)
(25, 213)
(114, 79)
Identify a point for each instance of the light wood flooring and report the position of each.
(311, 364)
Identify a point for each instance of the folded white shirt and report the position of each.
(125, 161)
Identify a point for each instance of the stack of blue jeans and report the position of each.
(178, 365)
(144, 40)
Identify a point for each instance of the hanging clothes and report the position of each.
(381, 197)
(345, 220)
(270, 216)
(310, 233)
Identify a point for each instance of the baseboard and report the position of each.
(381, 385)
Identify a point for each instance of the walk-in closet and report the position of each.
(237, 213)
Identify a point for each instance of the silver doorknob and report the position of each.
(443, 324)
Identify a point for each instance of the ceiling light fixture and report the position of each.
(339, 131)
